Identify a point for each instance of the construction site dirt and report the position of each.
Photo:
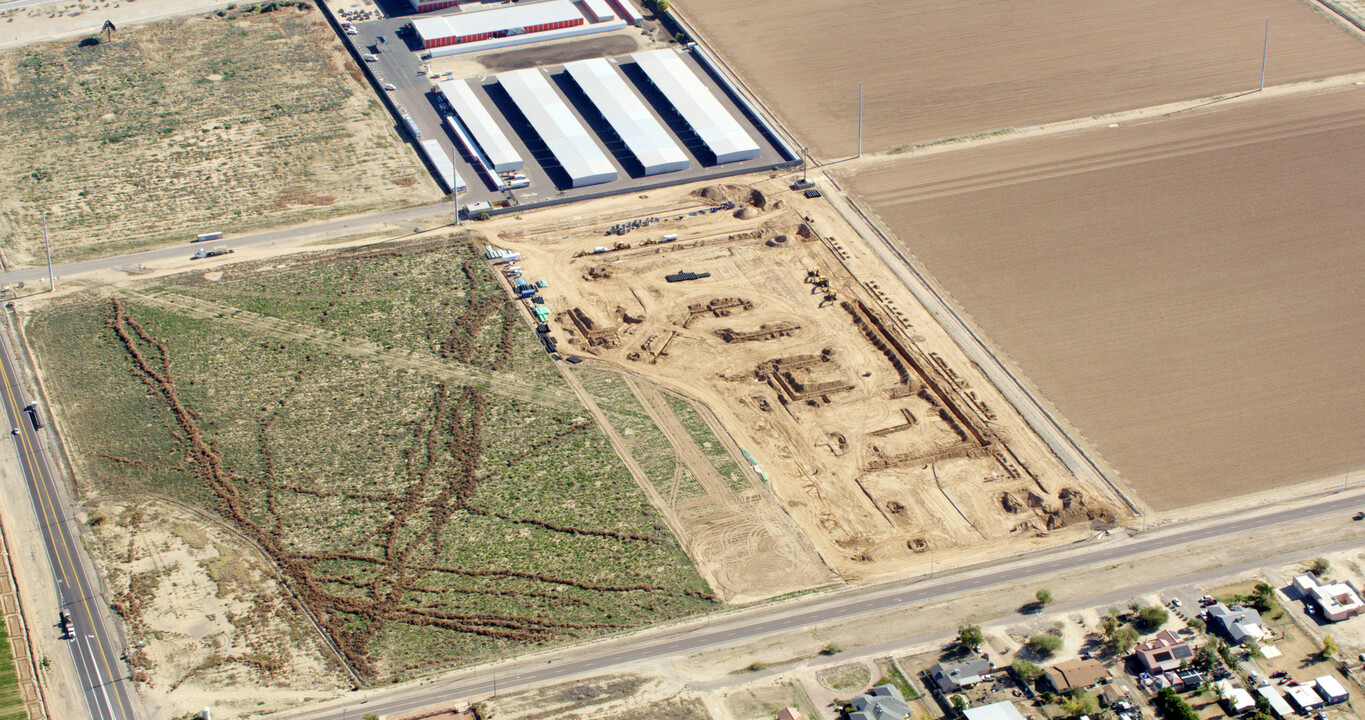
(852, 411)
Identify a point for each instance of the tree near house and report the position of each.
(1045, 644)
(1319, 567)
(1044, 596)
(970, 636)
(1123, 639)
(1079, 704)
(1173, 707)
(1153, 617)
(1329, 646)
(1027, 672)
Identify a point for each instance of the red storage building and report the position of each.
(466, 27)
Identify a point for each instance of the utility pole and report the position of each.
(860, 119)
(51, 279)
(1264, 49)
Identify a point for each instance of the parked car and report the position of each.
(1359, 516)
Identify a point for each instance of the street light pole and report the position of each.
(51, 279)
(454, 191)
(860, 119)
(1265, 49)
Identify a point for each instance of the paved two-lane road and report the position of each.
(421, 215)
(95, 648)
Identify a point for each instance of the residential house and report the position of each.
(790, 714)
(1179, 680)
(952, 677)
(1163, 653)
(1276, 700)
(1003, 710)
(1239, 624)
(884, 702)
(1331, 690)
(1237, 700)
(1305, 698)
(1337, 601)
(1074, 675)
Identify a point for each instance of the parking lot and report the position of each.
(398, 63)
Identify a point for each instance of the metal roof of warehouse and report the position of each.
(557, 127)
(633, 122)
(697, 105)
(480, 123)
(504, 18)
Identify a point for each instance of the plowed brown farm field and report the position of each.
(1186, 289)
(934, 70)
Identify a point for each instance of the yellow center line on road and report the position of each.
(50, 515)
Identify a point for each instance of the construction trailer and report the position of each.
(551, 119)
(490, 140)
(512, 20)
(697, 105)
(627, 115)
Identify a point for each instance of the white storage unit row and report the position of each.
(480, 123)
(599, 10)
(441, 161)
(566, 138)
(627, 12)
(646, 139)
(697, 105)
(480, 162)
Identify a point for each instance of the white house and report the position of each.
(1337, 601)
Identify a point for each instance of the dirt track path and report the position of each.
(488, 380)
(684, 445)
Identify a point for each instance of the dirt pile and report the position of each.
(735, 194)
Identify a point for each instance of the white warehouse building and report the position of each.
(697, 105)
(492, 141)
(566, 138)
(623, 110)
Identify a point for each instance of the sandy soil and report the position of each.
(935, 70)
(217, 628)
(885, 451)
(63, 18)
(1193, 312)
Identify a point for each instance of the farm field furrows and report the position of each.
(231, 123)
(423, 520)
(1186, 290)
(11, 701)
(939, 70)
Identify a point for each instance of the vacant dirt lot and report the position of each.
(1185, 289)
(385, 429)
(935, 70)
(228, 123)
